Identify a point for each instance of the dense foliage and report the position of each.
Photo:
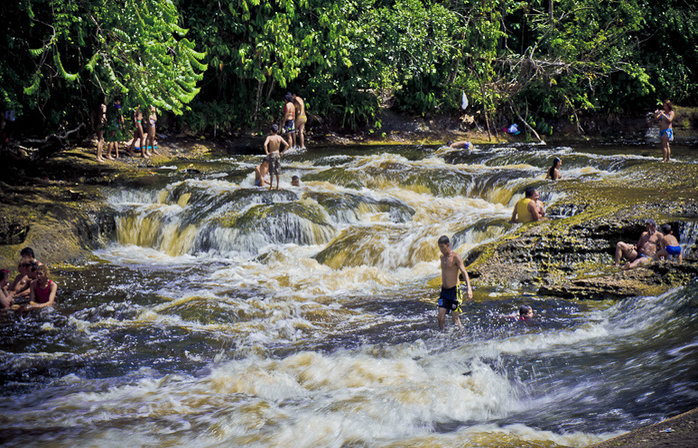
(539, 60)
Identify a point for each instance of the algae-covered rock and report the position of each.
(573, 256)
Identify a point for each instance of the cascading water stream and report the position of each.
(229, 315)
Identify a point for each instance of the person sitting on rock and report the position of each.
(642, 252)
(529, 208)
(260, 173)
(668, 246)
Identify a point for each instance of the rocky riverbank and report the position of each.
(680, 431)
(56, 206)
(571, 254)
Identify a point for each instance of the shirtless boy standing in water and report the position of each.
(450, 298)
(272, 148)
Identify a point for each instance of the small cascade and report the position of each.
(688, 234)
(300, 223)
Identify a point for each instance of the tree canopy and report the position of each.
(228, 63)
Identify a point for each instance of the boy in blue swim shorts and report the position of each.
(450, 297)
(668, 246)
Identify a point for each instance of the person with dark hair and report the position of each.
(27, 255)
(296, 181)
(643, 251)
(450, 297)
(554, 170)
(20, 285)
(301, 119)
(287, 120)
(666, 131)
(114, 129)
(139, 141)
(525, 312)
(529, 208)
(27, 252)
(668, 245)
(272, 148)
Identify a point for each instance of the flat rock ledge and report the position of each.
(677, 432)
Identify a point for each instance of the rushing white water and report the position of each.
(229, 315)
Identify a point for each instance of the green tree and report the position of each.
(85, 49)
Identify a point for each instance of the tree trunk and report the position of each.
(256, 105)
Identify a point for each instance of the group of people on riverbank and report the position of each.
(653, 244)
(112, 129)
(31, 288)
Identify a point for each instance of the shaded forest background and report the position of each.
(226, 64)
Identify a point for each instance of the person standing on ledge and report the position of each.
(529, 208)
(114, 129)
(666, 131)
(288, 126)
(272, 148)
(450, 297)
(301, 119)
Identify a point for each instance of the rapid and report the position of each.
(222, 314)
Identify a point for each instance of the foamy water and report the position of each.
(227, 315)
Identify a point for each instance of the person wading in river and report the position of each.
(643, 251)
(554, 170)
(272, 148)
(450, 298)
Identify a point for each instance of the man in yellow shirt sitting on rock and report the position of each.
(528, 209)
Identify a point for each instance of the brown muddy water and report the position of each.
(226, 315)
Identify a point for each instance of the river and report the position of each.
(221, 314)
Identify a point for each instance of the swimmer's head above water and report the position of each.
(525, 312)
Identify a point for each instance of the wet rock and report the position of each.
(573, 257)
(12, 231)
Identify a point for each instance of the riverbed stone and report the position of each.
(572, 257)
